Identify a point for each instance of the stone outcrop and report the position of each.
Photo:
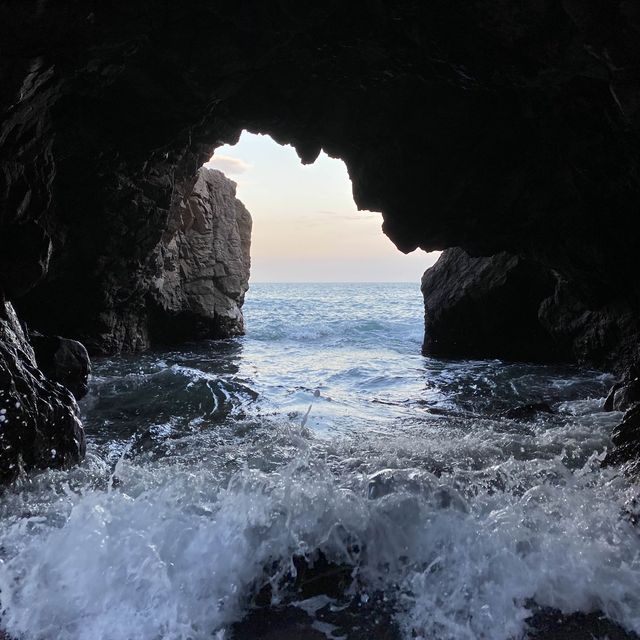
(64, 361)
(201, 266)
(625, 396)
(625, 393)
(190, 285)
(39, 424)
(488, 308)
(626, 442)
(504, 306)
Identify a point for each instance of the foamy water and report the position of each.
(201, 484)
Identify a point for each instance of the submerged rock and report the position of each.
(354, 618)
(525, 411)
(39, 423)
(64, 361)
(316, 600)
(551, 624)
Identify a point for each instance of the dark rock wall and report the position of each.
(39, 423)
(191, 284)
(488, 308)
(488, 125)
(506, 306)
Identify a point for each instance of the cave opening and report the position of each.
(480, 497)
(306, 225)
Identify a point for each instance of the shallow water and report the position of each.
(206, 476)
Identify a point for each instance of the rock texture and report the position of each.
(39, 424)
(506, 306)
(487, 125)
(201, 266)
(64, 361)
(488, 308)
(190, 285)
(625, 396)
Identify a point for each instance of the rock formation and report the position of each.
(189, 284)
(39, 424)
(488, 308)
(506, 306)
(64, 361)
(488, 125)
(201, 265)
(625, 396)
(480, 125)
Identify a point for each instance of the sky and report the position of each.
(306, 227)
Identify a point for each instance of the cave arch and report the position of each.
(479, 126)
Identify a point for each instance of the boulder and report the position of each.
(39, 423)
(64, 361)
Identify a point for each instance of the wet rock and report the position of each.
(626, 441)
(277, 623)
(64, 361)
(625, 396)
(319, 576)
(525, 411)
(550, 624)
(625, 393)
(39, 423)
(360, 617)
(319, 599)
(487, 308)
(312, 576)
(366, 616)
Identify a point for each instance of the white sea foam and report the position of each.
(170, 553)
(200, 484)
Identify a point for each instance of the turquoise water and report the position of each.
(212, 465)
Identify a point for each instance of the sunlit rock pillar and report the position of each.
(200, 268)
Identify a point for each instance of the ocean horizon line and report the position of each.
(334, 282)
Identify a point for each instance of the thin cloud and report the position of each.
(361, 215)
(229, 165)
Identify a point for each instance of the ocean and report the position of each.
(218, 473)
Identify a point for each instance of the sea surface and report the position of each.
(323, 436)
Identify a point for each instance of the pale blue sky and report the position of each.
(306, 227)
